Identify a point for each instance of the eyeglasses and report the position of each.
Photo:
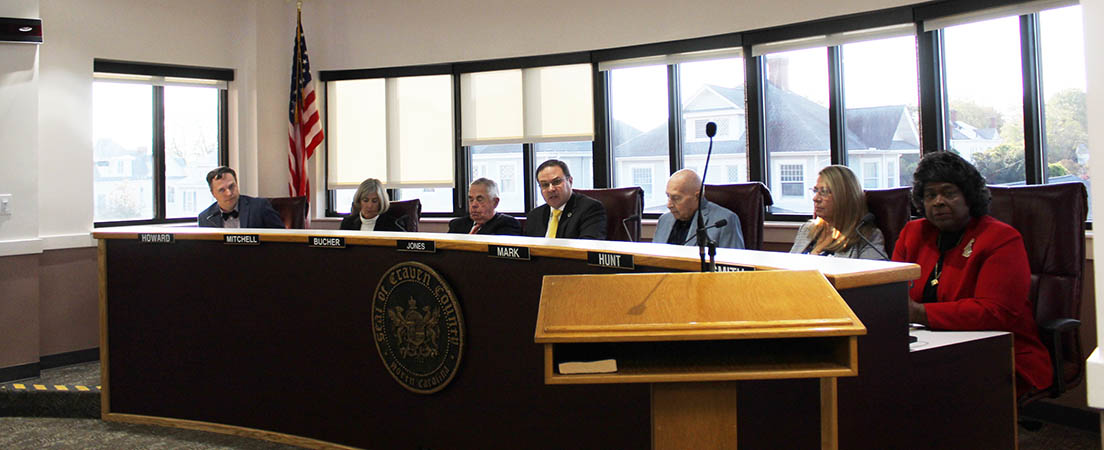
(824, 191)
(544, 185)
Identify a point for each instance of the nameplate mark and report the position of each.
(616, 260)
(327, 241)
(156, 238)
(732, 268)
(242, 239)
(508, 252)
(416, 246)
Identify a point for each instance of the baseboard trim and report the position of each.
(20, 372)
(1062, 415)
(69, 358)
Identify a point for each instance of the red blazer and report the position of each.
(984, 286)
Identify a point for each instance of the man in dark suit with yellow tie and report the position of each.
(565, 214)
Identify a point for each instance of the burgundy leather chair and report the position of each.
(1051, 219)
(624, 209)
(891, 209)
(293, 210)
(747, 200)
(406, 212)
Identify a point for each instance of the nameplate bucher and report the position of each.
(327, 241)
(156, 238)
(416, 246)
(615, 260)
(242, 239)
(732, 268)
(508, 252)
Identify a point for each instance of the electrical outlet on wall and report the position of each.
(5, 204)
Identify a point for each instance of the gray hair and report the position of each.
(370, 186)
(489, 184)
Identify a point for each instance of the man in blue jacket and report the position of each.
(680, 225)
(233, 210)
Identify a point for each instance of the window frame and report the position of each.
(158, 126)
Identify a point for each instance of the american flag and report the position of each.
(304, 127)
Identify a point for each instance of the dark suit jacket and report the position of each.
(384, 222)
(583, 218)
(252, 213)
(499, 224)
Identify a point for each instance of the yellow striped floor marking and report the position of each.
(39, 387)
(20, 386)
(61, 387)
(81, 388)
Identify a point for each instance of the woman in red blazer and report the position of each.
(974, 270)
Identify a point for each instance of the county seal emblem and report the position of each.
(418, 327)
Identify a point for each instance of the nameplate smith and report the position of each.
(615, 260)
(733, 268)
(156, 238)
(242, 239)
(417, 246)
(327, 241)
(508, 252)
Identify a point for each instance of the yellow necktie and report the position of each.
(553, 223)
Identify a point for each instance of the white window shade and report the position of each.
(995, 13)
(398, 130)
(542, 104)
(835, 39)
(357, 132)
(676, 58)
(559, 104)
(420, 132)
(492, 106)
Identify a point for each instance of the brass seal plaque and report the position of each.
(418, 327)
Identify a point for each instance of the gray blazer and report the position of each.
(804, 234)
(728, 236)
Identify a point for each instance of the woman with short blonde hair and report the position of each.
(369, 208)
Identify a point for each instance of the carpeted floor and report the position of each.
(85, 433)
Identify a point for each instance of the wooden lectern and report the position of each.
(694, 335)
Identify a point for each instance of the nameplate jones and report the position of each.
(242, 239)
(732, 268)
(417, 246)
(156, 238)
(327, 241)
(508, 252)
(603, 259)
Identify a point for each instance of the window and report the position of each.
(1063, 74)
(870, 175)
(579, 157)
(796, 96)
(713, 91)
(881, 113)
(985, 97)
(157, 131)
(792, 177)
(642, 176)
(638, 130)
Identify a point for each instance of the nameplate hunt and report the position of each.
(508, 252)
(327, 241)
(615, 260)
(242, 239)
(416, 246)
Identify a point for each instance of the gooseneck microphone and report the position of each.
(625, 225)
(717, 224)
(703, 237)
(868, 218)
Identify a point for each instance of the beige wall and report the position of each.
(19, 310)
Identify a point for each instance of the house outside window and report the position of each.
(792, 177)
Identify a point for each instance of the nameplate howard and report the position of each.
(156, 238)
(417, 246)
(615, 260)
(242, 239)
(508, 252)
(732, 268)
(327, 241)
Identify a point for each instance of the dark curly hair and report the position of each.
(950, 168)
